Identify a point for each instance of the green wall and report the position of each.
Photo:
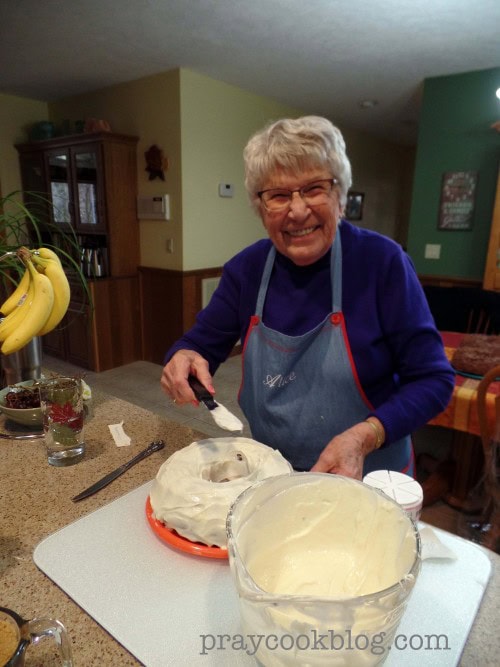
(455, 135)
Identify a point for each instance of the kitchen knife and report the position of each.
(107, 479)
(221, 415)
(21, 436)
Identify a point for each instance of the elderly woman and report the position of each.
(341, 357)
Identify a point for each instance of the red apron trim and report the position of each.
(410, 463)
(351, 361)
(336, 319)
(254, 321)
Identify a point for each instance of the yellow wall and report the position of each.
(216, 122)
(383, 172)
(149, 109)
(17, 115)
(207, 123)
(202, 126)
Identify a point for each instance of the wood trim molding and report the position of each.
(449, 281)
(76, 139)
(170, 301)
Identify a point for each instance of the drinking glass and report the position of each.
(61, 403)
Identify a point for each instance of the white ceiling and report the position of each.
(322, 56)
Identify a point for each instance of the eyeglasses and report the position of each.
(314, 194)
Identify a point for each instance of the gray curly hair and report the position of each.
(296, 145)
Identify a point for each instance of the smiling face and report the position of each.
(302, 232)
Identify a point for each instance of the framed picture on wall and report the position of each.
(458, 193)
(354, 205)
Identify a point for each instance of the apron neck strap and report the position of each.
(336, 272)
(264, 283)
(335, 276)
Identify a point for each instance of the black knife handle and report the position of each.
(201, 392)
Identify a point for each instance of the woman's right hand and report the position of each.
(175, 374)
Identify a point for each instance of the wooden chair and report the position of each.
(464, 309)
(484, 314)
(487, 526)
(490, 432)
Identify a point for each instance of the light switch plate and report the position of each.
(432, 251)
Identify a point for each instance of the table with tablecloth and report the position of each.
(461, 416)
(461, 412)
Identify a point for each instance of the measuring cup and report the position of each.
(16, 635)
(323, 566)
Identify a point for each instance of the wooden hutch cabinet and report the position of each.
(91, 182)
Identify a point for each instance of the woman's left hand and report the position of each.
(345, 453)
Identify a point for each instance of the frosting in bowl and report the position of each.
(331, 540)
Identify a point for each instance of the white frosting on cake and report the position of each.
(195, 487)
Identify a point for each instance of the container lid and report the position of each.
(400, 487)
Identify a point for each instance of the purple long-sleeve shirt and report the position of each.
(396, 349)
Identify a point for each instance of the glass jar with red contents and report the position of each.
(61, 402)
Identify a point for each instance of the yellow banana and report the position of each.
(47, 253)
(55, 273)
(12, 301)
(14, 319)
(37, 315)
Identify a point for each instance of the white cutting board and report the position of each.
(110, 561)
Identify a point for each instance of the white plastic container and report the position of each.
(400, 487)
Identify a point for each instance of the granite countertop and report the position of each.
(35, 501)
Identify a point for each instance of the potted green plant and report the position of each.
(31, 242)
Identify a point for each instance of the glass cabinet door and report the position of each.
(59, 183)
(75, 182)
(87, 182)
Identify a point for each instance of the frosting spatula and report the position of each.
(221, 415)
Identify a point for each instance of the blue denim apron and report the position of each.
(298, 392)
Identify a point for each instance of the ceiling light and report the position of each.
(368, 104)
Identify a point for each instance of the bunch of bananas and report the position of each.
(38, 303)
